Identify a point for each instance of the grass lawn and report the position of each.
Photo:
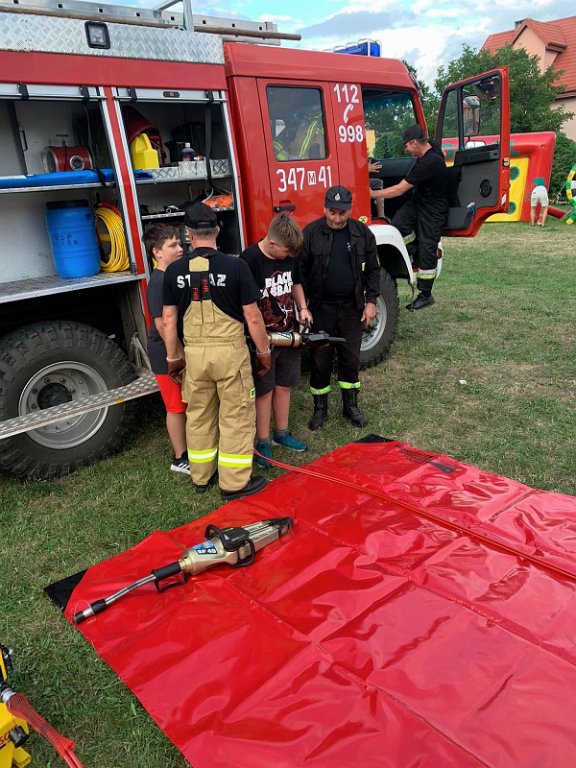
(487, 376)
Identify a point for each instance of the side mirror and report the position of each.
(488, 88)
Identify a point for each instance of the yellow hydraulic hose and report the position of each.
(108, 219)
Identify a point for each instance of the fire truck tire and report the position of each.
(377, 340)
(49, 363)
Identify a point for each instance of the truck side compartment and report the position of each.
(81, 139)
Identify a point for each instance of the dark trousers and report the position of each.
(426, 221)
(337, 319)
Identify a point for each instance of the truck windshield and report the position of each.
(387, 114)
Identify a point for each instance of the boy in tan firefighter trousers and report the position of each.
(209, 295)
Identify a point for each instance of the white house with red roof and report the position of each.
(554, 42)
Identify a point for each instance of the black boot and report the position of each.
(421, 301)
(320, 412)
(424, 298)
(350, 408)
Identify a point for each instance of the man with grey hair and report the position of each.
(340, 273)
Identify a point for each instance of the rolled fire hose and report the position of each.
(109, 219)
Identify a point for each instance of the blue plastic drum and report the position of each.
(73, 239)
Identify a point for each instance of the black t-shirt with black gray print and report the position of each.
(274, 278)
(231, 284)
(339, 280)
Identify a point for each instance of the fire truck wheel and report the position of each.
(377, 340)
(52, 363)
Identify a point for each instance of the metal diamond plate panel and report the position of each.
(194, 169)
(51, 284)
(220, 167)
(145, 384)
(57, 35)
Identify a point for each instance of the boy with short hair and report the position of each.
(163, 245)
(274, 265)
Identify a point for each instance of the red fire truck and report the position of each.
(96, 105)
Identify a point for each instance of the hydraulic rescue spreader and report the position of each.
(234, 546)
(16, 715)
(307, 338)
(14, 732)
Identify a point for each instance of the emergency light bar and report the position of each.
(361, 48)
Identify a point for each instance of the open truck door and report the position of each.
(473, 130)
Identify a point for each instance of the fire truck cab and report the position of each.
(96, 105)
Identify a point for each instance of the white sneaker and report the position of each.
(181, 464)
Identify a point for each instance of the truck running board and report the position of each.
(144, 384)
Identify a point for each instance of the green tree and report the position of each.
(388, 115)
(564, 160)
(532, 93)
(532, 97)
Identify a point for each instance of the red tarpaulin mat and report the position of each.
(425, 618)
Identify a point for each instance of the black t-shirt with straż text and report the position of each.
(231, 284)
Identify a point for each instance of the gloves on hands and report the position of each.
(176, 368)
(263, 363)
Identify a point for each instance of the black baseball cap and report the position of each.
(200, 216)
(338, 198)
(414, 132)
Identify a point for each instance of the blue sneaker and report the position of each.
(265, 448)
(287, 439)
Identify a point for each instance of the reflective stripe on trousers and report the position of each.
(220, 419)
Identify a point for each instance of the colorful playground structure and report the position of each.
(531, 156)
(570, 218)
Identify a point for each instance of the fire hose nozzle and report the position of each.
(96, 607)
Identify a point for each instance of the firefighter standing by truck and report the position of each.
(340, 274)
(421, 219)
(207, 298)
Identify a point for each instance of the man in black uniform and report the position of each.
(422, 217)
(207, 298)
(341, 277)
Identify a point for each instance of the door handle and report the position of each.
(282, 208)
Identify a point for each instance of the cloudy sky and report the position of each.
(427, 33)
